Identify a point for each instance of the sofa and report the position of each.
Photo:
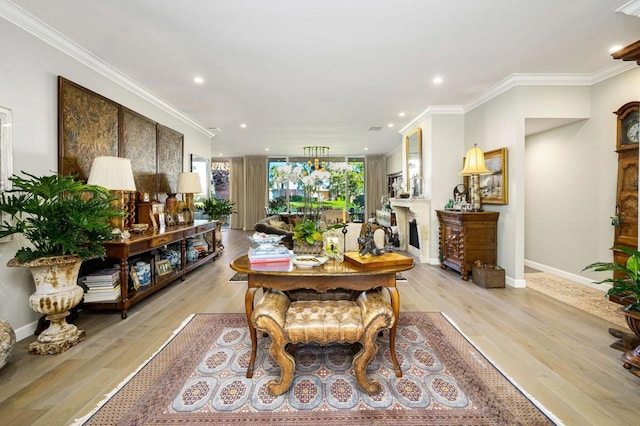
(274, 225)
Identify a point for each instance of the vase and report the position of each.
(302, 247)
(57, 292)
(171, 203)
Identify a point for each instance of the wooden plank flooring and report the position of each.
(559, 355)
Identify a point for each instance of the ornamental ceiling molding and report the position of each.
(631, 8)
(44, 32)
(559, 79)
(430, 111)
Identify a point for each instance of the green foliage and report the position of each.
(626, 283)
(215, 207)
(59, 215)
(307, 231)
(278, 204)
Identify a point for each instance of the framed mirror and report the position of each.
(202, 166)
(413, 155)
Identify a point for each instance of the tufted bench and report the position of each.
(322, 322)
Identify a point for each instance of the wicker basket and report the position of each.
(300, 247)
(488, 278)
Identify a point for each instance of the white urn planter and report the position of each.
(56, 293)
(7, 340)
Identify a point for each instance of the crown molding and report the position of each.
(433, 110)
(559, 79)
(19, 17)
(631, 8)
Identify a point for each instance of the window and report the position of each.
(329, 194)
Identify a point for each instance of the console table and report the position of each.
(466, 237)
(331, 275)
(144, 246)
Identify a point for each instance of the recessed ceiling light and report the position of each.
(266, 149)
(615, 48)
(437, 80)
(366, 149)
(198, 80)
(390, 125)
(244, 126)
(220, 155)
(401, 114)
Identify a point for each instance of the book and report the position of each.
(264, 254)
(107, 274)
(269, 252)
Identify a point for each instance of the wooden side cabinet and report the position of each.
(147, 246)
(466, 237)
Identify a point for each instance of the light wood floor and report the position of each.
(558, 354)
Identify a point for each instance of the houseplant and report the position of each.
(216, 208)
(65, 221)
(307, 237)
(625, 283)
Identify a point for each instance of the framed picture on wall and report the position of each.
(493, 187)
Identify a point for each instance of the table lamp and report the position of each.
(189, 184)
(474, 166)
(115, 174)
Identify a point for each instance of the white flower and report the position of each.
(339, 167)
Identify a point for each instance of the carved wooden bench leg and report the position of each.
(287, 366)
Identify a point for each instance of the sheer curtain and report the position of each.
(236, 178)
(375, 182)
(255, 194)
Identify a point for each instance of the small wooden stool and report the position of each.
(322, 322)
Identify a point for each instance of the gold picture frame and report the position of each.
(494, 188)
(163, 267)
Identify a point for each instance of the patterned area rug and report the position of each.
(577, 295)
(199, 377)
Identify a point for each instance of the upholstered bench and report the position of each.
(322, 322)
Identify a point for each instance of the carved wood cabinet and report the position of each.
(466, 237)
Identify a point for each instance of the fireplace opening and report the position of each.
(414, 240)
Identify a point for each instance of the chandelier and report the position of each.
(316, 156)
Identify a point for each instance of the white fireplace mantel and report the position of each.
(406, 210)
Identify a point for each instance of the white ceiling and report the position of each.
(323, 72)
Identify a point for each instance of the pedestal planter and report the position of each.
(56, 293)
(7, 340)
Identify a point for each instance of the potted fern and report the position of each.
(625, 283)
(65, 221)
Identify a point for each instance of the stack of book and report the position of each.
(102, 286)
(268, 254)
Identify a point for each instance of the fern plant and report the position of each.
(626, 279)
(58, 215)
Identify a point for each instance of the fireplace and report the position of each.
(416, 211)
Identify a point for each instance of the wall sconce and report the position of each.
(189, 184)
(115, 174)
(474, 166)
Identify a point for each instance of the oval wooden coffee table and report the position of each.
(353, 274)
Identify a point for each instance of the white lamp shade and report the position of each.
(474, 163)
(189, 183)
(113, 173)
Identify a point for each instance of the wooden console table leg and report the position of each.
(248, 306)
(395, 305)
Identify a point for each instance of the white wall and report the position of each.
(28, 86)
(571, 174)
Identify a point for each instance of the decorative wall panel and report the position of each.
(90, 125)
(87, 128)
